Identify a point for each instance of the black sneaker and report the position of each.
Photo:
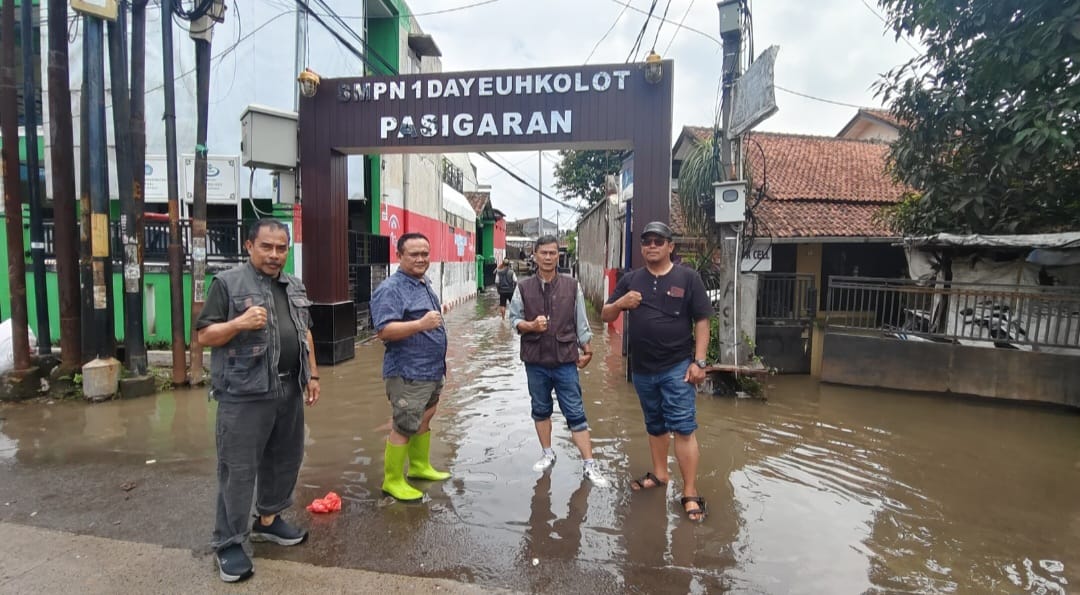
(278, 532)
(233, 564)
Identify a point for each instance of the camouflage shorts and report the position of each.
(409, 400)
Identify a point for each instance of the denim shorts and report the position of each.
(563, 379)
(409, 400)
(667, 401)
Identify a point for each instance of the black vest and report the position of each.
(558, 301)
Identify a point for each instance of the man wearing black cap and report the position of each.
(668, 312)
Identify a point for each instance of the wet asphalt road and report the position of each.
(820, 489)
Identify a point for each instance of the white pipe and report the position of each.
(738, 269)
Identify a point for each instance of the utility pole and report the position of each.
(33, 186)
(198, 206)
(101, 375)
(134, 342)
(176, 248)
(63, 177)
(86, 262)
(202, 32)
(540, 194)
(9, 129)
(137, 134)
(731, 34)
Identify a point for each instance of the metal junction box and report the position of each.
(730, 201)
(268, 138)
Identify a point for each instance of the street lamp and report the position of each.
(309, 83)
(654, 68)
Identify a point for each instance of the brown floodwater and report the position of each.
(819, 489)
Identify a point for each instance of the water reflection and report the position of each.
(818, 489)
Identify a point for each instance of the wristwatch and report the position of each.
(702, 364)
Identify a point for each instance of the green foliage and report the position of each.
(991, 113)
(699, 171)
(581, 173)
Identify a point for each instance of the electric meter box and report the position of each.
(268, 138)
(730, 201)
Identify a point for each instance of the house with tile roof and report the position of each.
(814, 203)
(871, 124)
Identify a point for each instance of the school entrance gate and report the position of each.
(609, 106)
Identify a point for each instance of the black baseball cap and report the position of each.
(657, 228)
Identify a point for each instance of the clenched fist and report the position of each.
(540, 324)
(631, 300)
(432, 320)
(253, 319)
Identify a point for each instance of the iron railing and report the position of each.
(1004, 315)
(786, 297)
(369, 264)
(224, 240)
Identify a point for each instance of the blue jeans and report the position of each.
(564, 380)
(667, 401)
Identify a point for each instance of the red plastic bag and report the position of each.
(331, 503)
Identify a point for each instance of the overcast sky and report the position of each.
(830, 49)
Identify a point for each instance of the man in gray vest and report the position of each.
(554, 344)
(263, 366)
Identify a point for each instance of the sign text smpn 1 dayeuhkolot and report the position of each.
(393, 93)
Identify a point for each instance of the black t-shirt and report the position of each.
(216, 309)
(662, 326)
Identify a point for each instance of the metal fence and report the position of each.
(224, 240)
(1005, 315)
(785, 297)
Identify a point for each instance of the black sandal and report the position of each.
(702, 510)
(640, 483)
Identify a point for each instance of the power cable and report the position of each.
(485, 155)
(641, 34)
(818, 98)
(626, 3)
(431, 12)
(886, 21)
(678, 27)
(604, 36)
(661, 25)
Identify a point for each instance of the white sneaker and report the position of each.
(592, 473)
(545, 462)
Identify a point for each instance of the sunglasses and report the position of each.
(653, 241)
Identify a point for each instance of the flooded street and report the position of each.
(820, 489)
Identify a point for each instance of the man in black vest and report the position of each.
(551, 335)
(263, 368)
(668, 311)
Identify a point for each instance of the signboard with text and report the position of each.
(222, 178)
(754, 94)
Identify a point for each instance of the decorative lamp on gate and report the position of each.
(309, 83)
(654, 68)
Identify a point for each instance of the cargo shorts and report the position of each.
(409, 399)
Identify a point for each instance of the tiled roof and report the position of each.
(800, 167)
(816, 186)
(881, 114)
(478, 200)
(808, 219)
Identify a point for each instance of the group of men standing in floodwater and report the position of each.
(263, 365)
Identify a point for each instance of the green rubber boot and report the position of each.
(420, 459)
(394, 483)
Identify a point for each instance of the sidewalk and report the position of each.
(36, 560)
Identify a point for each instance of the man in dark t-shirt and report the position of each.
(667, 310)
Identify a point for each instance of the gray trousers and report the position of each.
(260, 444)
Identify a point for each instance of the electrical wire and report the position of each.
(641, 34)
(626, 3)
(431, 12)
(678, 27)
(886, 21)
(661, 25)
(608, 32)
(778, 87)
(485, 155)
